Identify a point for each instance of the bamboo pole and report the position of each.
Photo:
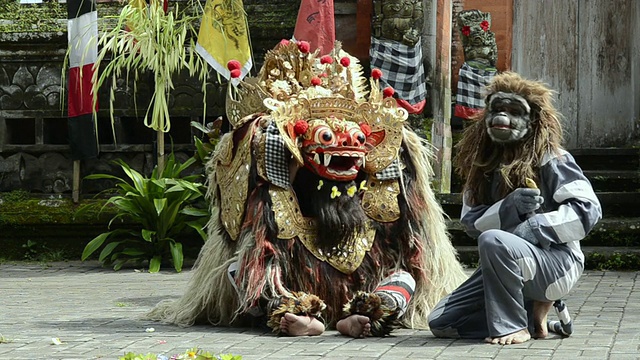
(160, 151)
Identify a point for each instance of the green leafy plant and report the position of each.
(148, 39)
(191, 354)
(164, 205)
(204, 149)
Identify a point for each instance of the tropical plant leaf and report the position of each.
(154, 264)
(176, 255)
(103, 176)
(136, 177)
(134, 252)
(193, 211)
(198, 227)
(160, 205)
(147, 235)
(108, 249)
(94, 245)
(117, 265)
(185, 165)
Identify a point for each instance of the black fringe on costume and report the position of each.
(338, 219)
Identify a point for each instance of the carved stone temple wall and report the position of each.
(34, 151)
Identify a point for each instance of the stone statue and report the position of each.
(478, 42)
(396, 50)
(479, 67)
(399, 20)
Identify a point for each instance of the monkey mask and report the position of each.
(508, 117)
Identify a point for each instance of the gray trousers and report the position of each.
(498, 297)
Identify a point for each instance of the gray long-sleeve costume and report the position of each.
(495, 299)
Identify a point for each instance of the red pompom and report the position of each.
(284, 42)
(300, 127)
(315, 81)
(388, 92)
(304, 47)
(326, 60)
(235, 73)
(376, 74)
(234, 64)
(345, 61)
(366, 129)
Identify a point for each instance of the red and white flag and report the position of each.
(83, 51)
(316, 25)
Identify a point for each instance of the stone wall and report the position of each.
(34, 151)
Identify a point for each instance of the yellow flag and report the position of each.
(224, 36)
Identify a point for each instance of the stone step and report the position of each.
(608, 158)
(614, 204)
(601, 180)
(596, 257)
(614, 180)
(608, 169)
(611, 232)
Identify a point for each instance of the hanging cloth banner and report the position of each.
(224, 36)
(83, 52)
(316, 25)
(402, 69)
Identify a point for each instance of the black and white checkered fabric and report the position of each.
(401, 67)
(275, 158)
(471, 86)
(391, 172)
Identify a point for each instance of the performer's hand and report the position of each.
(524, 231)
(527, 200)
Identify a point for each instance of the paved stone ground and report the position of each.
(94, 312)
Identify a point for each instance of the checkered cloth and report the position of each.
(401, 67)
(391, 172)
(471, 84)
(275, 157)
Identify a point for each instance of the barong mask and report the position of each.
(318, 113)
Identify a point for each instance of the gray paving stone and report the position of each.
(96, 312)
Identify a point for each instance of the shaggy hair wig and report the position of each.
(478, 157)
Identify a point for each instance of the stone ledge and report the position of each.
(596, 257)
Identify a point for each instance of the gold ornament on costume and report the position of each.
(243, 102)
(380, 200)
(232, 178)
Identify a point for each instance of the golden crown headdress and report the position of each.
(295, 84)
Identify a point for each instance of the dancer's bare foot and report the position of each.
(517, 337)
(540, 311)
(357, 326)
(300, 325)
